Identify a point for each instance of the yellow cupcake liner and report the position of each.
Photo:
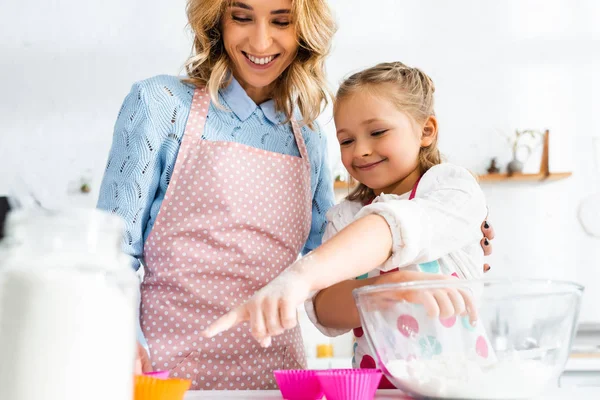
(148, 388)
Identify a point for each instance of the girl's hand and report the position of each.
(447, 302)
(439, 303)
(270, 311)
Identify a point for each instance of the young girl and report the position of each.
(387, 131)
(411, 218)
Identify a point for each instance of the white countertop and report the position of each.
(591, 364)
(567, 393)
(558, 394)
(583, 364)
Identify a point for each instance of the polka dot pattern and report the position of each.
(385, 383)
(430, 346)
(368, 362)
(466, 323)
(432, 267)
(448, 322)
(481, 347)
(408, 325)
(354, 352)
(232, 219)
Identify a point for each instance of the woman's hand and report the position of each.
(486, 245)
(142, 361)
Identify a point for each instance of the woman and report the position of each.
(219, 186)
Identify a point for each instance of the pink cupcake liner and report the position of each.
(158, 374)
(350, 384)
(298, 384)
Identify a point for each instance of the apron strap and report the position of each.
(414, 189)
(300, 141)
(198, 114)
(413, 192)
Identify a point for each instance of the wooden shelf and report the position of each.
(543, 176)
(539, 177)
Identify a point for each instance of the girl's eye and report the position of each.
(346, 142)
(379, 133)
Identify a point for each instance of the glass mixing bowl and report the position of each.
(516, 349)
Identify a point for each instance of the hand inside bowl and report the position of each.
(442, 303)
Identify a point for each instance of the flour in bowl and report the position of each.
(454, 377)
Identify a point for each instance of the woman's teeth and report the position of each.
(260, 60)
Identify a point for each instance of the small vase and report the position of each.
(493, 169)
(514, 167)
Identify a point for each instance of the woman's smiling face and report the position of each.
(261, 41)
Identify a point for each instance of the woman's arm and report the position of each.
(132, 172)
(323, 196)
(132, 177)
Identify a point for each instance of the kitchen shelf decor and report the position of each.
(544, 173)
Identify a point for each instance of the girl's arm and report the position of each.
(451, 199)
(334, 307)
(358, 248)
(328, 302)
(446, 215)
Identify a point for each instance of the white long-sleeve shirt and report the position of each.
(438, 231)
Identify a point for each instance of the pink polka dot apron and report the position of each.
(232, 219)
(418, 332)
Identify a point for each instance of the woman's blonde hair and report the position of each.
(302, 84)
(411, 90)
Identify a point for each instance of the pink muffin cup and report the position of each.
(158, 374)
(350, 384)
(298, 384)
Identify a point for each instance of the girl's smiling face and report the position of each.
(379, 143)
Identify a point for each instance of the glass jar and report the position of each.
(67, 307)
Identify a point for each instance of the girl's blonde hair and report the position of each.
(302, 84)
(411, 90)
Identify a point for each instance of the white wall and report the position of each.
(500, 66)
(66, 65)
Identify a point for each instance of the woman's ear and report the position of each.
(429, 132)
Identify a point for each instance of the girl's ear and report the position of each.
(429, 132)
